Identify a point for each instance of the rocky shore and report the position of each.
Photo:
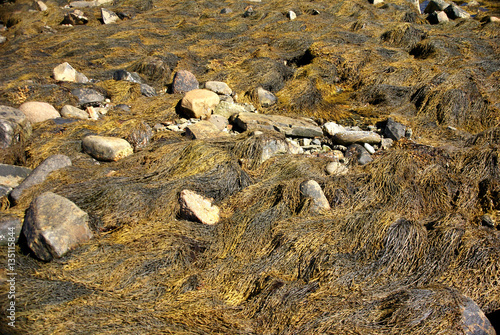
(249, 167)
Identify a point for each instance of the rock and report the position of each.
(375, 2)
(286, 125)
(474, 322)
(133, 77)
(13, 125)
(291, 15)
(311, 189)
(38, 111)
(305, 141)
(38, 175)
(108, 16)
(74, 113)
(228, 109)
(265, 97)
(386, 143)
(41, 6)
(199, 103)
(331, 128)
(10, 229)
(336, 168)
(358, 153)
(184, 81)
(437, 17)
(218, 87)
(435, 5)
(105, 148)
(494, 19)
(350, 137)
(139, 137)
(248, 11)
(394, 130)
(454, 12)
(4, 190)
(3, 39)
(12, 175)
(226, 11)
(88, 96)
(369, 148)
(54, 225)
(203, 129)
(275, 146)
(219, 121)
(147, 90)
(123, 107)
(488, 221)
(65, 72)
(77, 17)
(195, 207)
(82, 4)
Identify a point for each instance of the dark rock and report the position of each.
(226, 11)
(76, 17)
(126, 76)
(184, 81)
(249, 11)
(88, 96)
(435, 6)
(474, 322)
(437, 17)
(358, 153)
(10, 229)
(12, 175)
(455, 12)
(38, 175)
(394, 130)
(147, 90)
(54, 225)
(312, 11)
(139, 138)
(487, 221)
(156, 69)
(311, 189)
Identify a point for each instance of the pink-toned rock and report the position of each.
(184, 81)
(199, 103)
(195, 207)
(38, 111)
(203, 129)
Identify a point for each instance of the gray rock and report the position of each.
(184, 81)
(394, 130)
(226, 11)
(228, 109)
(74, 113)
(195, 207)
(108, 16)
(386, 143)
(133, 77)
(454, 12)
(10, 229)
(140, 136)
(88, 96)
(331, 128)
(54, 225)
(105, 148)
(350, 137)
(219, 121)
(12, 175)
(147, 90)
(218, 87)
(474, 322)
(286, 125)
(265, 97)
(437, 18)
(358, 153)
(435, 5)
(4, 190)
(336, 168)
(203, 129)
(82, 4)
(311, 189)
(275, 146)
(38, 175)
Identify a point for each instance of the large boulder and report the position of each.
(199, 103)
(53, 225)
(184, 81)
(105, 148)
(195, 207)
(38, 111)
(286, 125)
(13, 125)
(38, 175)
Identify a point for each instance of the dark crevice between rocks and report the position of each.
(494, 318)
(305, 59)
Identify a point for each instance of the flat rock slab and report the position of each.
(311, 189)
(219, 121)
(350, 137)
(105, 148)
(199, 103)
(38, 175)
(285, 125)
(10, 229)
(87, 95)
(203, 129)
(218, 87)
(195, 207)
(12, 175)
(53, 225)
(38, 111)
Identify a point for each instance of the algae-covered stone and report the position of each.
(195, 207)
(38, 111)
(54, 225)
(107, 148)
(199, 103)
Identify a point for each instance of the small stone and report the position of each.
(248, 11)
(408, 133)
(358, 153)
(266, 98)
(218, 87)
(54, 225)
(350, 137)
(339, 147)
(173, 127)
(336, 168)
(437, 17)
(219, 121)
(147, 90)
(38, 111)
(394, 130)
(12, 175)
(331, 128)
(105, 148)
(386, 143)
(3, 39)
(195, 207)
(108, 16)
(311, 189)
(199, 103)
(88, 96)
(313, 11)
(369, 148)
(133, 77)
(435, 5)
(305, 141)
(38, 175)
(494, 19)
(291, 15)
(487, 221)
(74, 113)
(77, 17)
(82, 4)
(123, 107)
(376, 2)
(92, 113)
(203, 129)
(184, 81)
(10, 229)
(226, 11)
(316, 141)
(41, 6)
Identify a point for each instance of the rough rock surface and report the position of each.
(359, 154)
(106, 148)
(474, 320)
(54, 225)
(74, 112)
(38, 111)
(195, 207)
(203, 129)
(109, 16)
(350, 137)
(10, 227)
(184, 81)
(311, 189)
(394, 130)
(87, 96)
(199, 103)
(218, 87)
(12, 175)
(13, 123)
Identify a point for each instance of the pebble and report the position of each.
(41, 6)
(394, 130)
(77, 17)
(105, 148)
(218, 87)
(336, 168)
(88, 96)
(291, 15)
(265, 98)
(369, 148)
(437, 17)
(358, 153)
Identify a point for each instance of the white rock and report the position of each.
(369, 148)
(41, 6)
(331, 128)
(74, 112)
(64, 72)
(336, 168)
(109, 16)
(291, 15)
(196, 207)
(218, 87)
